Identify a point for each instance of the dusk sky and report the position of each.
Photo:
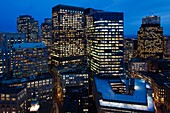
(133, 10)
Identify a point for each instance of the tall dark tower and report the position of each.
(68, 35)
(150, 38)
(26, 24)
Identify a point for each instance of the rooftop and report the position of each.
(72, 69)
(60, 6)
(139, 100)
(28, 79)
(29, 45)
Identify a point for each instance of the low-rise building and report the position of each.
(72, 87)
(13, 99)
(41, 85)
(137, 65)
(157, 81)
(29, 58)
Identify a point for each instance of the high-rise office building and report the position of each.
(26, 24)
(104, 31)
(150, 38)
(46, 34)
(7, 41)
(68, 35)
(29, 59)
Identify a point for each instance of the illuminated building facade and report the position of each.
(68, 35)
(41, 86)
(105, 43)
(7, 42)
(73, 85)
(13, 99)
(26, 24)
(29, 58)
(150, 38)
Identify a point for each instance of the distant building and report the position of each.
(46, 32)
(130, 51)
(150, 38)
(29, 59)
(13, 99)
(26, 24)
(105, 43)
(137, 65)
(122, 95)
(68, 35)
(167, 48)
(7, 41)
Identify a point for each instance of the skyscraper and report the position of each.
(26, 24)
(46, 34)
(105, 43)
(68, 35)
(150, 38)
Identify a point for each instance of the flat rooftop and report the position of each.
(29, 45)
(72, 69)
(28, 79)
(139, 100)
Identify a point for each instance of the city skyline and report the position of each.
(43, 10)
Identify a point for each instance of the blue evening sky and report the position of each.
(133, 10)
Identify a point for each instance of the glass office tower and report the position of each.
(68, 35)
(105, 43)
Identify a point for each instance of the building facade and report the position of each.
(105, 43)
(150, 38)
(41, 86)
(7, 42)
(29, 59)
(68, 35)
(26, 24)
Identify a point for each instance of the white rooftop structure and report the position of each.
(139, 100)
